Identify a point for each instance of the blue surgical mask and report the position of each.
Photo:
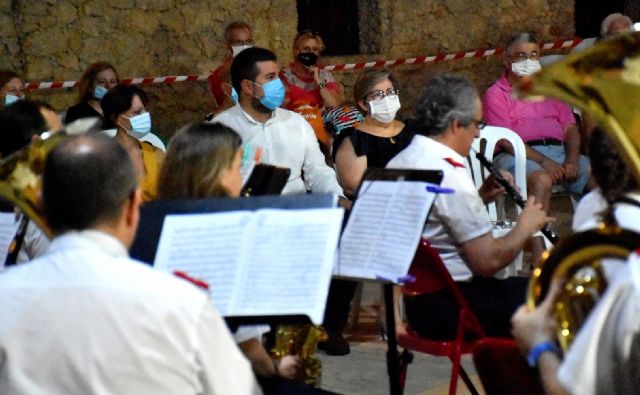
(99, 92)
(274, 93)
(10, 99)
(140, 125)
(234, 94)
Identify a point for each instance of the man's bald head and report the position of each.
(87, 180)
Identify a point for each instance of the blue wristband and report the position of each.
(538, 350)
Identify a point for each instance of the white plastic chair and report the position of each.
(486, 144)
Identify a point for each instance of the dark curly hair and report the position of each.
(609, 170)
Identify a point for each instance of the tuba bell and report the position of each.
(21, 172)
(605, 82)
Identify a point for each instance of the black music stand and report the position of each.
(396, 360)
(152, 216)
(266, 180)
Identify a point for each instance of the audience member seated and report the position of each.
(92, 86)
(12, 88)
(310, 90)
(547, 127)
(448, 117)
(106, 323)
(604, 356)
(377, 139)
(237, 37)
(22, 123)
(125, 109)
(203, 161)
(611, 25)
(284, 137)
(617, 192)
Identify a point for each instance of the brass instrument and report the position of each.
(21, 172)
(605, 82)
(301, 340)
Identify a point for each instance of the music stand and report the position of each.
(266, 180)
(152, 217)
(394, 359)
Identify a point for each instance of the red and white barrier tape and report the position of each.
(478, 53)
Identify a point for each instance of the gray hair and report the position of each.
(608, 21)
(521, 38)
(446, 98)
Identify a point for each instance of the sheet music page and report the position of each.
(8, 229)
(289, 267)
(209, 247)
(384, 229)
(267, 262)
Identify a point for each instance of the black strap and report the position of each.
(16, 243)
(628, 200)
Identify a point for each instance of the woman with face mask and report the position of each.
(12, 88)
(92, 86)
(310, 90)
(377, 139)
(125, 109)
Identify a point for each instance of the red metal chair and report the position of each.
(432, 276)
(502, 370)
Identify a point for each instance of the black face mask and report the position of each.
(308, 58)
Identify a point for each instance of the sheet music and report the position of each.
(384, 229)
(209, 247)
(267, 262)
(8, 229)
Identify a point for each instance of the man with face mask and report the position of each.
(284, 137)
(547, 126)
(238, 37)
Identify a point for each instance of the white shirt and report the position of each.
(588, 210)
(287, 140)
(455, 218)
(605, 355)
(86, 319)
(35, 243)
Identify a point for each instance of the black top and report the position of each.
(80, 110)
(378, 150)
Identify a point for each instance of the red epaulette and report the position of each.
(197, 282)
(454, 163)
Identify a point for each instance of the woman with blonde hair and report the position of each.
(203, 161)
(310, 91)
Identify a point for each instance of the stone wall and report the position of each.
(57, 39)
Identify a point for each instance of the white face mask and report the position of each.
(526, 67)
(385, 110)
(236, 49)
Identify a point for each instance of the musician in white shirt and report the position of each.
(85, 318)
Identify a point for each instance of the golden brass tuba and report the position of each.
(21, 172)
(605, 82)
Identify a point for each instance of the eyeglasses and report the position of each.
(480, 123)
(524, 56)
(380, 94)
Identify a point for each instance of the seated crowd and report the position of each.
(149, 332)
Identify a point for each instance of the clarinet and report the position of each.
(546, 230)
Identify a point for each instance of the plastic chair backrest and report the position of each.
(431, 274)
(486, 144)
